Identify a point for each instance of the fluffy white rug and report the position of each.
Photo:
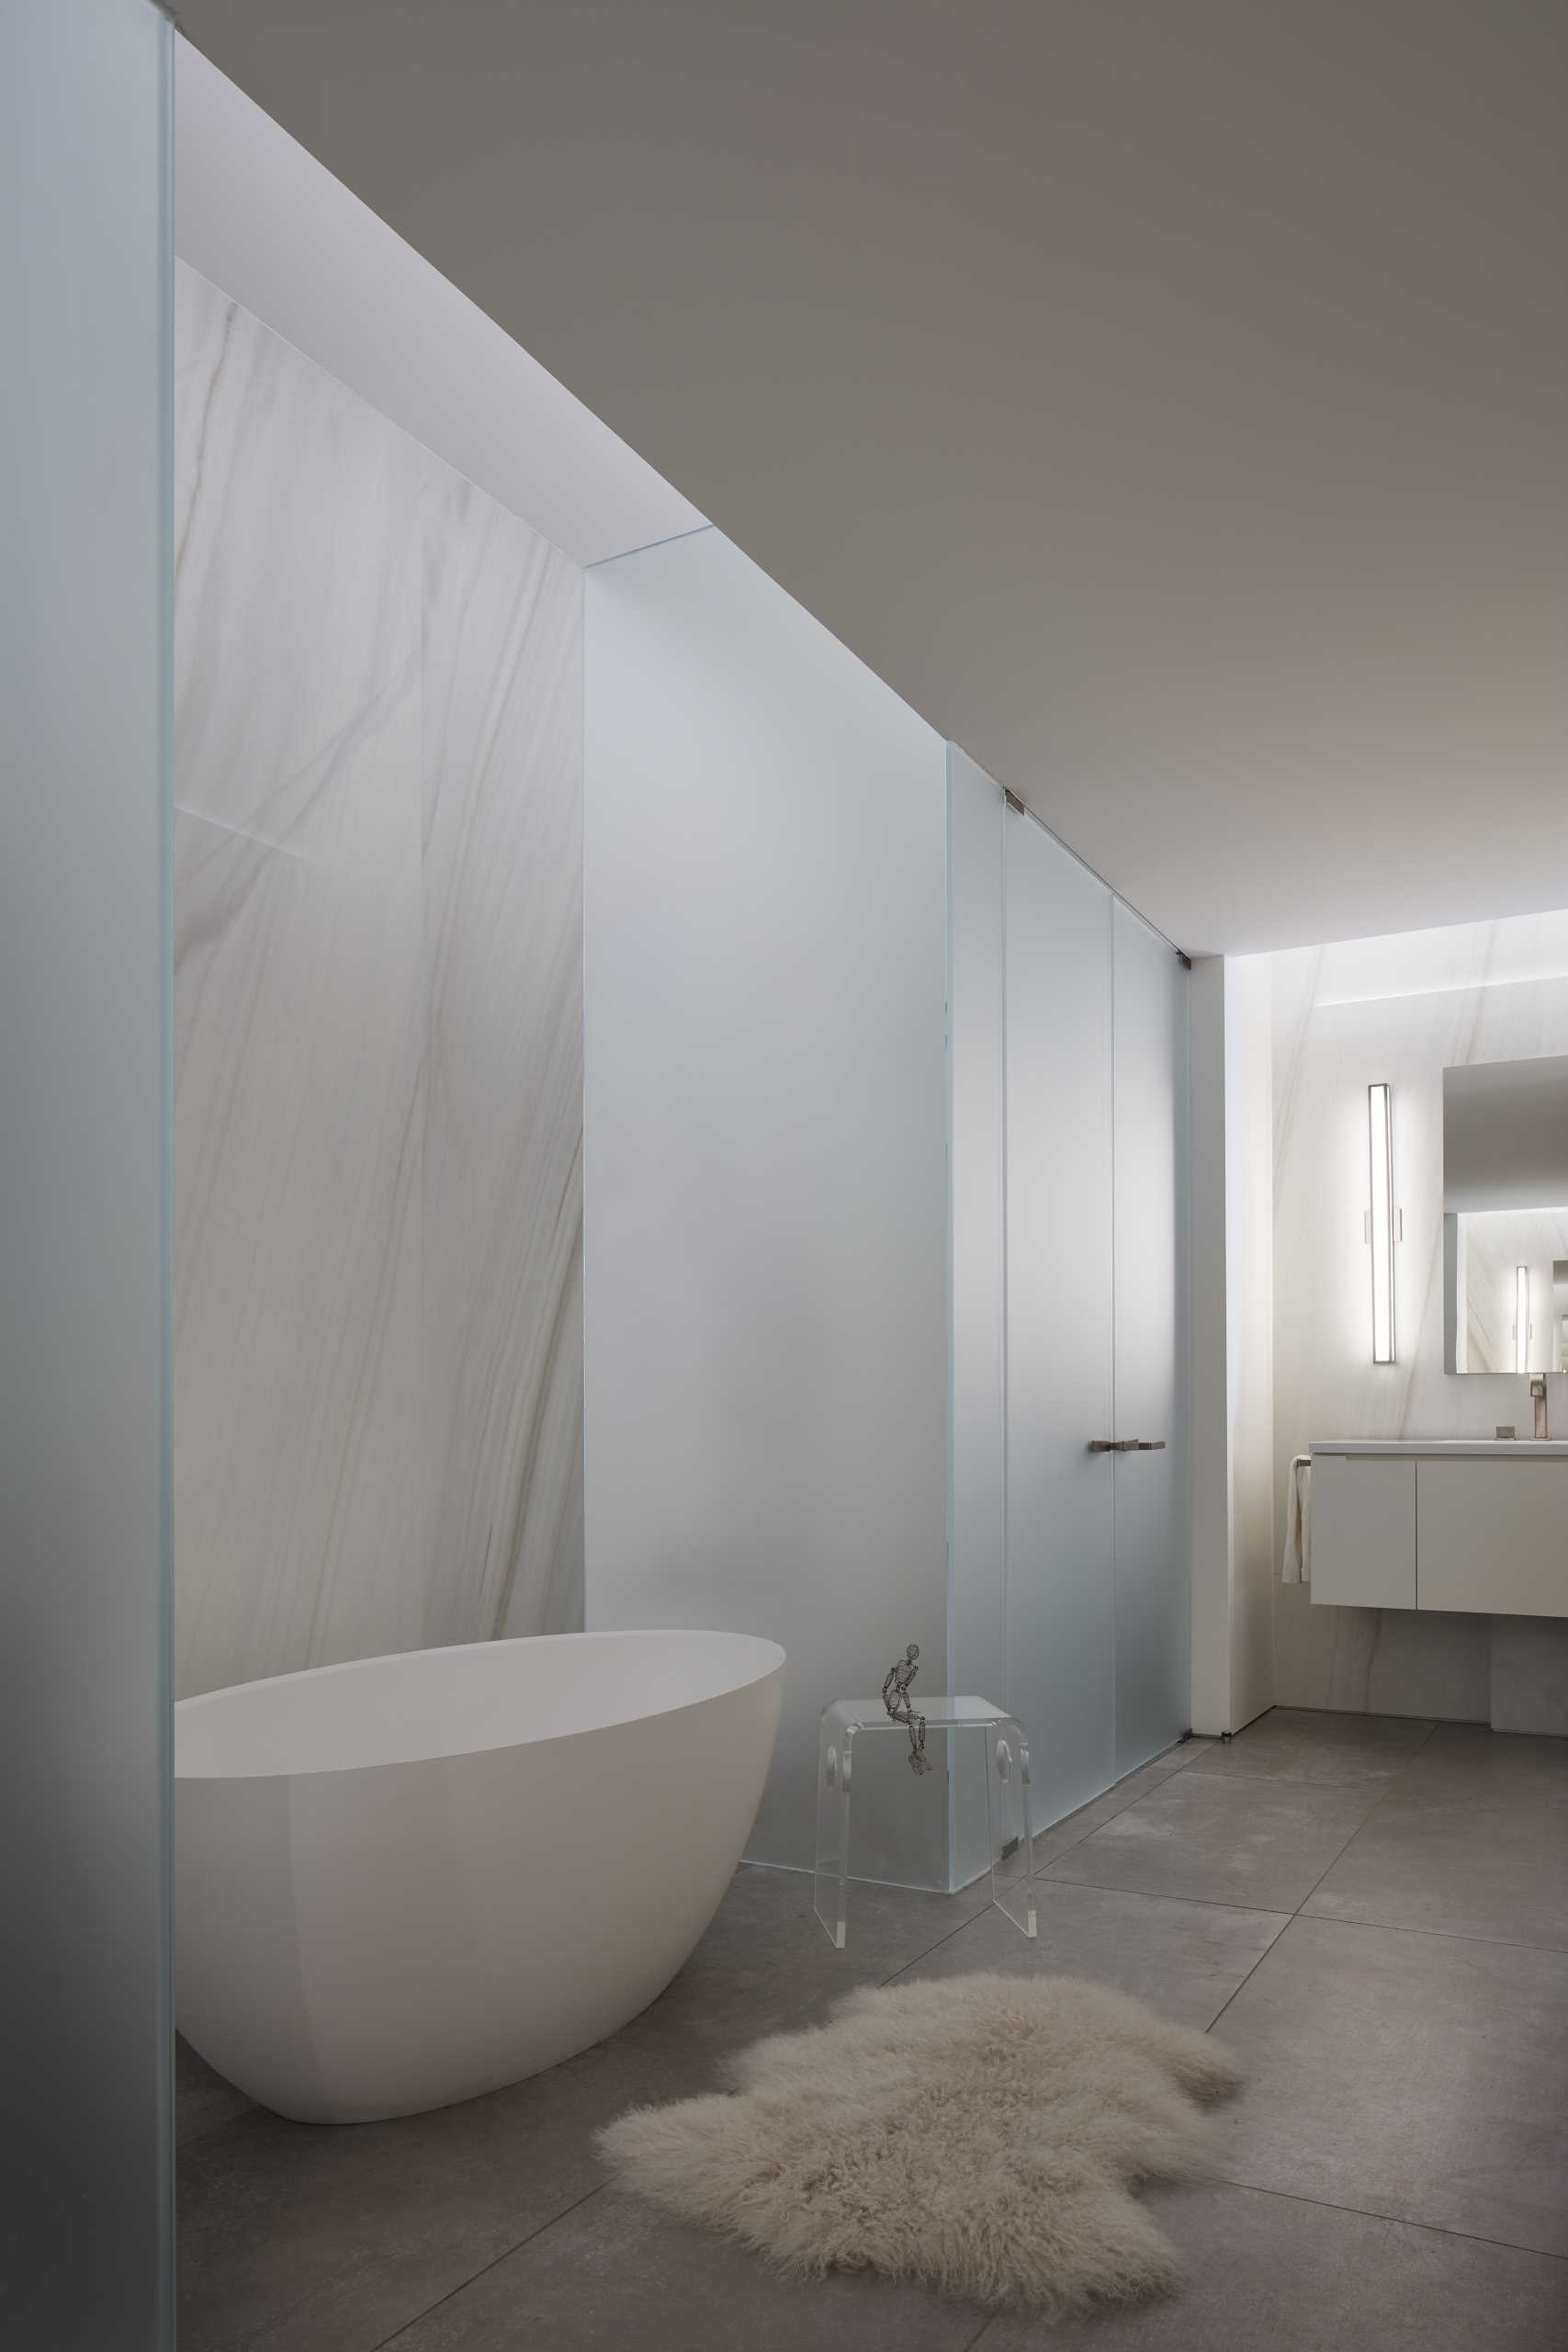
(977, 2134)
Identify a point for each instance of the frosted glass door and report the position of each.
(86, 2173)
(1059, 1615)
(1150, 1194)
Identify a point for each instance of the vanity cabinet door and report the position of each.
(1493, 1536)
(1363, 1530)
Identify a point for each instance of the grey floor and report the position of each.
(1372, 1912)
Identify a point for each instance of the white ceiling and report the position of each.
(1169, 397)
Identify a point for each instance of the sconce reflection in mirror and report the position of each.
(1506, 1216)
(1379, 1217)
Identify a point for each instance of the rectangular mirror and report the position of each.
(1506, 1216)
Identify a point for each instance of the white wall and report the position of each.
(1232, 1672)
(1401, 1009)
(1210, 1499)
(765, 1166)
(1254, 1556)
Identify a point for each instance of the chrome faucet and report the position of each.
(1538, 1397)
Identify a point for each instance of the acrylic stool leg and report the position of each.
(830, 1878)
(1013, 1874)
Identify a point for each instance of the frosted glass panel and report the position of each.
(1060, 1625)
(765, 1180)
(1152, 1602)
(978, 1498)
(84, 2233)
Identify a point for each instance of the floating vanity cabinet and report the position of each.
(1455, 1523)
(1493, 1536)
(1363, 1530)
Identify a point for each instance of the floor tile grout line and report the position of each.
(1275, 1910)
(1251, 1778)
(528, 2238)
(1372, 2213)
(1275, 1780)
(1149, 1795)
(1420, 1748)
(1301, 1912)
(1329, 1864)
(1207, 1902)
(1440, 1935)
(1088, 1830)
(1251, 1972)
(905, 1966)
(1355, 1832)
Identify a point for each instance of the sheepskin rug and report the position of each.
(978, 2134)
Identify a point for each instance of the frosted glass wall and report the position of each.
(765, 1211)
(1069, 1590)
(977, 1500)
(85, 2232)
(1061, 1395)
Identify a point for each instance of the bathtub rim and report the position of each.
(771, 1664)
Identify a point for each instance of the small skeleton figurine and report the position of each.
(897, 1700)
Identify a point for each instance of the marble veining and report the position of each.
(1530, 1674)
(503, 1321)
(378, 1371)
(1344, 1016)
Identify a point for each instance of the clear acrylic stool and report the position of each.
(1006, 1747)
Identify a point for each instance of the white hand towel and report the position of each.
(1297, 1566)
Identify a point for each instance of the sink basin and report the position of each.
(1527, 1448)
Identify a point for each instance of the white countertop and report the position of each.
(1482, 1449)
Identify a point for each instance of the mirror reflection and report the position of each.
(1506, 1216)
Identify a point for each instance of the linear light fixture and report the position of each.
(1379, 1217)
(1521, 1319)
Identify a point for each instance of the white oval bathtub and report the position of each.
(407, 1879)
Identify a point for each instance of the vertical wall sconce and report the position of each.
(1379, 1217)
(1521, 1319)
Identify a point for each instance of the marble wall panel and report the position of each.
(503, 1325)
(377, 1032)
(1529, 1675)
(1343, 1017)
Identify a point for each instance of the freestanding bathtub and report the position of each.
(407, 1880)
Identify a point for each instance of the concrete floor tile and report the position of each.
(1422, 2077)
(1295, 1743)
(1249, 1840)
(1272, 2274)
(615, 2273)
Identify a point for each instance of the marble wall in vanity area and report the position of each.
(378, 1052)
(1399, 1009)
